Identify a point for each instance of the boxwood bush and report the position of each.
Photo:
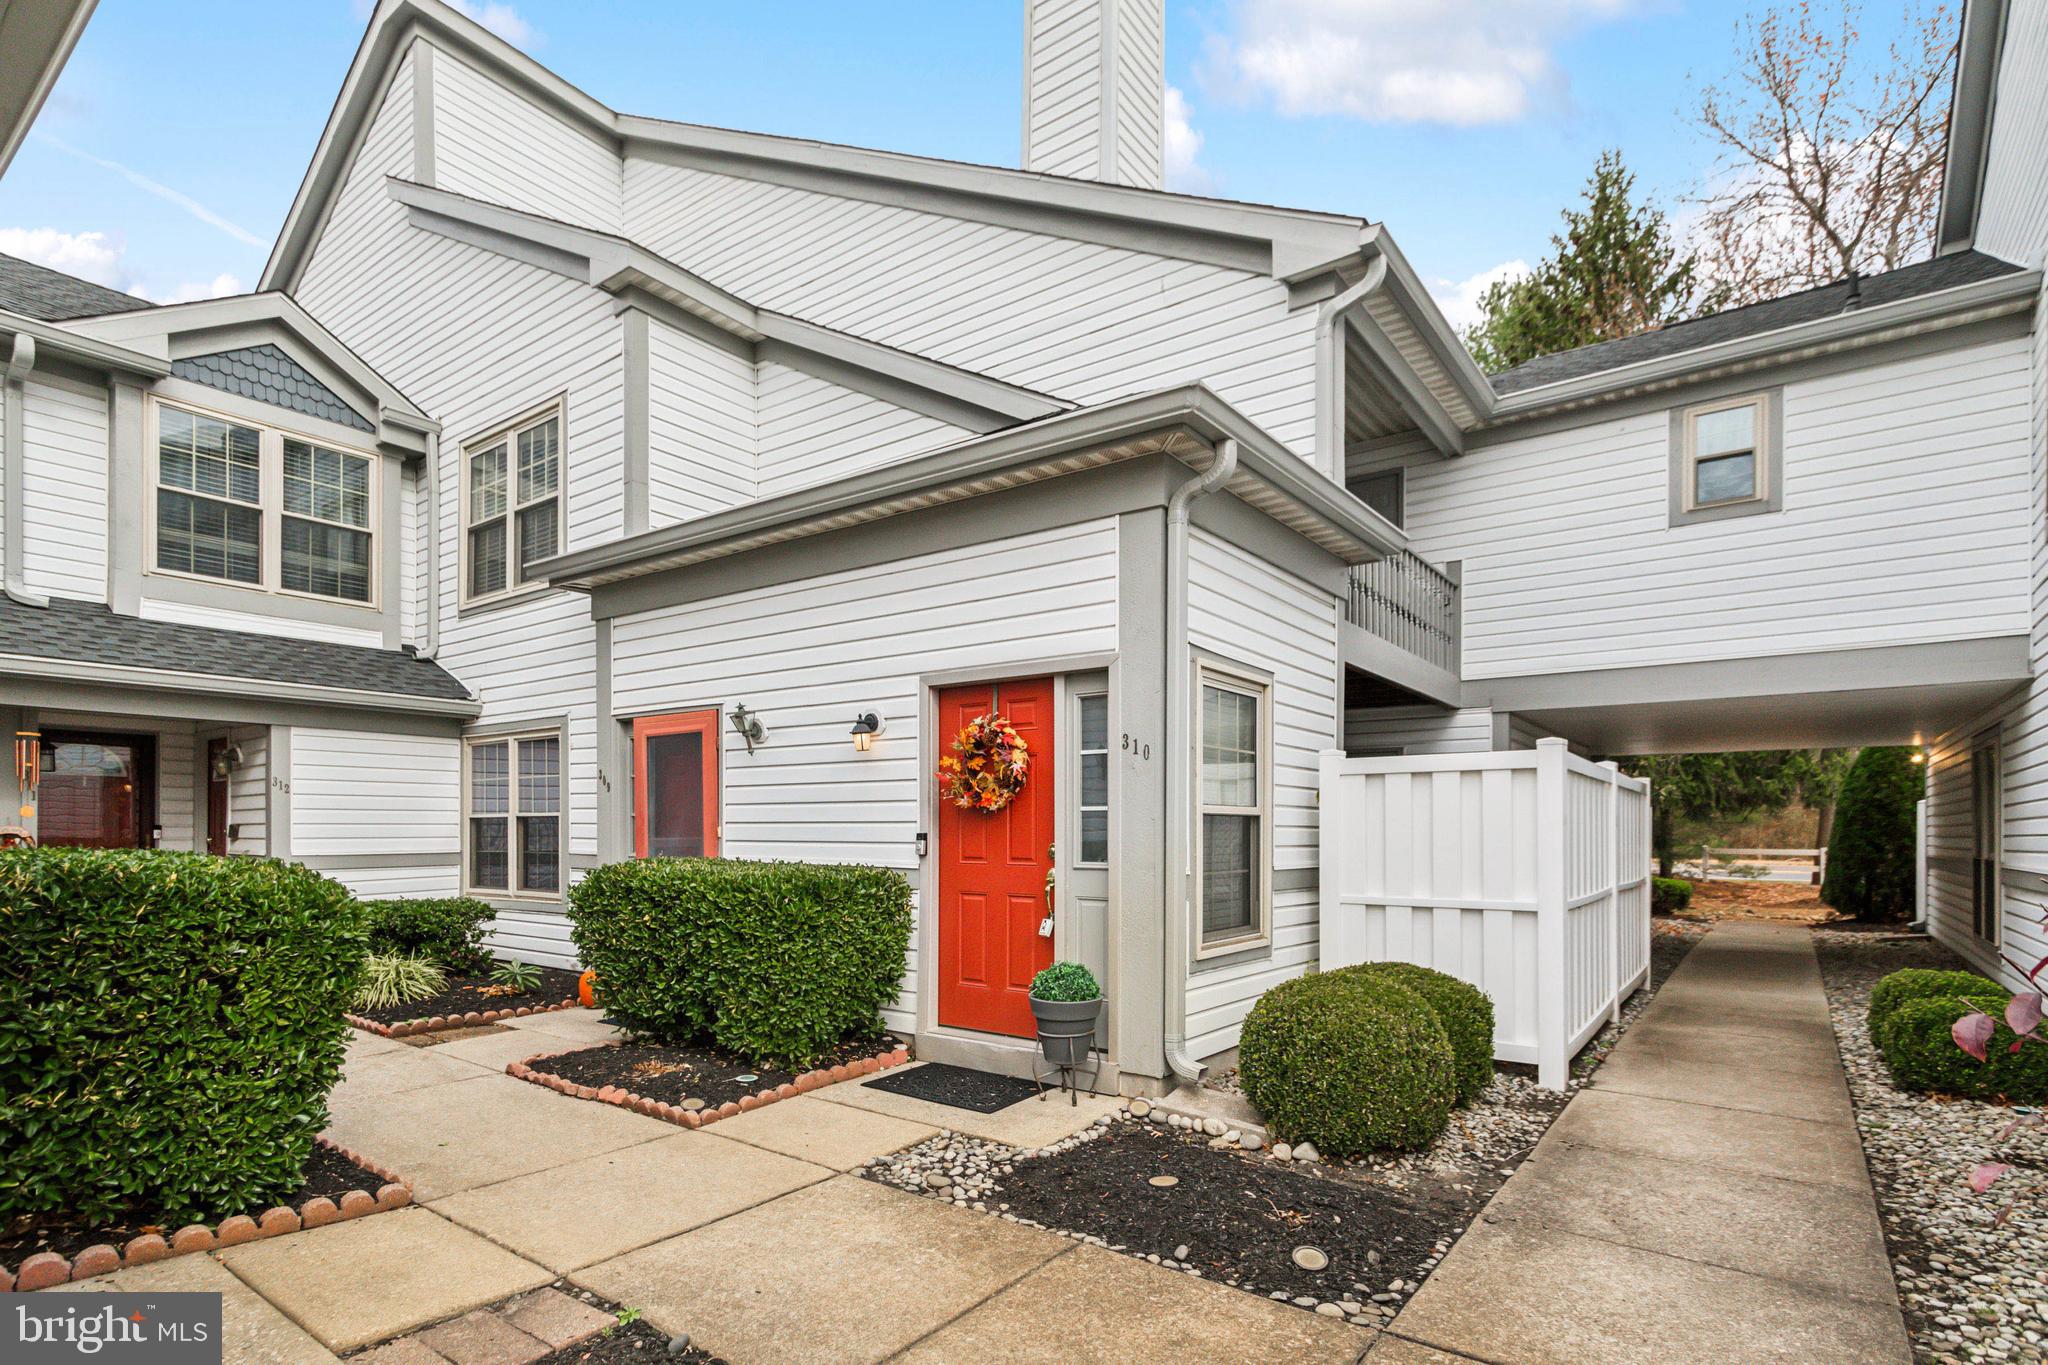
(1349, 1062)
(1669, 895)
(1464, 1010)
(170, 1025)
(446, 930)
(775, 961)
(1927, 983)
(1923, 1055)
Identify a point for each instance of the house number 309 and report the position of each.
(1136, 749)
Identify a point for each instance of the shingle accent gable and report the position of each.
(266, 374)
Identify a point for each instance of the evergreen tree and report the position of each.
(1711, 787)
(1870, 860)
(1615, 271)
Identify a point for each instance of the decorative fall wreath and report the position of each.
(987, 766)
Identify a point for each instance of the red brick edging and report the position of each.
(47, 1268)
(697, 1118)
(407, 1027)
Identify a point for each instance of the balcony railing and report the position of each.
(1409, 603)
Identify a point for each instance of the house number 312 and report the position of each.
(1137, 750)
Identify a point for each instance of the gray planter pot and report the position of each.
(1066, 1029)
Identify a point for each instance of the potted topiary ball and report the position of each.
(1066, 1002)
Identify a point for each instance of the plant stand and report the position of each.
(1068, 1075)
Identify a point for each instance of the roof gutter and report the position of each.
(1330, 366)
(1868, 326)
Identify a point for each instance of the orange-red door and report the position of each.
(675, 785)
(992, 870)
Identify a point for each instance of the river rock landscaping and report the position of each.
(1972, 1268)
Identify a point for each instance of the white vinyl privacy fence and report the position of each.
(1526, 873)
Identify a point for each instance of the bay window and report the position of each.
(513, 831)
(512, 505)
(1233, 814)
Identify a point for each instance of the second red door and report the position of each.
(993, 870)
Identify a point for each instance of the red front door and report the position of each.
(675, 785)
(992, 870)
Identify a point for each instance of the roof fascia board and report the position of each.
(1435, 329)
(37, 38)
(1970, 114)
(1191, 409)
(1948, 308)
(60, 340)
(1393, 374)
(170, 680)
(620, 267)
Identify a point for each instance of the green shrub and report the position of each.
(775, 961)
(1871, 852)
(1669, 895)
(1464, 1010)
(1351, 1063)
(1924, 983)
(170, 1025)
(1923, 1055)
(1067, 981)
(448, 930)
(398, 979)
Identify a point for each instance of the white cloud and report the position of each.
(101, 258)
(1459, 62)
(1459, 299)
(1183, 146)
(89, 255)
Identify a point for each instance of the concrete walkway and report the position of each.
(1704, 1199)
(749, 1235)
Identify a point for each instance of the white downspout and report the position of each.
(20, 360)
(1330, 368)
(1179, 795)
(430, 546)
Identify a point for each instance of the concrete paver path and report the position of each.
(1704, 1199)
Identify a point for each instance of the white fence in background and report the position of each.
(1526, 873)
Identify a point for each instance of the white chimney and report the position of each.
(1095, 89)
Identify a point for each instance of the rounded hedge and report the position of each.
(1923, 1055)
(170, 1025)
(778, 962)
(446, 930)
(1351, 1063)
(1669, 895)
(1462, 1008)
(1927, 983)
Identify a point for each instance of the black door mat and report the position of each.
(956, 1087)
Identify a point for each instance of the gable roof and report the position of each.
(47, 295)
(117, 647)
(1258, 237)
(1850, 301)
(268, 375)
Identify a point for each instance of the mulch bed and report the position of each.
(468, 1001)
(336, 1184)
(694, 1083)
(958, 1087)
(637, 1341)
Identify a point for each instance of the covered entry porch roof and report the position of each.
(1897, 694)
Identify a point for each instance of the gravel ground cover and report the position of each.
(1974, 1288)
(1236, 1213)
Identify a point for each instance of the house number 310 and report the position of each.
(1137, 750)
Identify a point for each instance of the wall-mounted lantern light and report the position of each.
(866, 725)
(1919, 755)
(748, 724)
(225, 762)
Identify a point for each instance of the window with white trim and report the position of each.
(1233, 811)
(229, 490)
(514, 833)
(1727, 460)
(1092, 802)
(512, 504)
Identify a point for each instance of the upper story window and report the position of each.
(264, 508)
(512, 504)
(1725, 458)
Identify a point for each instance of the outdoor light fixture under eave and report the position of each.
(866, 725)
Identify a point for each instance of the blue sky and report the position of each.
(174, 142)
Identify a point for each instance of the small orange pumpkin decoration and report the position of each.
(586, 987)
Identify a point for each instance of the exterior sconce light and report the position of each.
(866, 726)
(1919, 755)
(748, 725)
(225, 762)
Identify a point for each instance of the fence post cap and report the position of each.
(1553, 743)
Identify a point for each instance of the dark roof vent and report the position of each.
(1855, 299)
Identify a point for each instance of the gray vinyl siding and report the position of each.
(1065, 87)
(494, 144)
(813, 430)
(702, 413)
(1418, 730)
(2013, 213)
(1906, 518)
(64, 491)
(1244, 610)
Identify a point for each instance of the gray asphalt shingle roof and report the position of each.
(88, 632)
(1811, 305)
(48, 295)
